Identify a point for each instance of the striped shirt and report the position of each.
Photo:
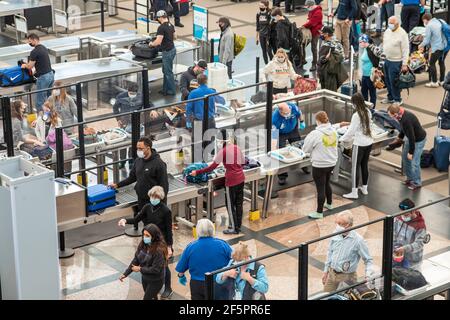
(344, 254)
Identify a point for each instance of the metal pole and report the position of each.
(303, 272)
(257, 74)
(135, 15)
(211, 57)
(59, 153)
(135, 132)
(209, 286)
(145, 89)
(102, 15)
(388, 243)
(7, 126)
(80, 118)
(269, 100)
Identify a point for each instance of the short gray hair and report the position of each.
(347, 215)
(205, 228)
(156, 192)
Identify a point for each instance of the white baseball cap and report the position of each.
(161, 13)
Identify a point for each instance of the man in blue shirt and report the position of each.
(194, 110)
(287, 119)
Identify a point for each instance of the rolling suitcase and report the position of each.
(184, 7)
(100, 197)
(345, 88)
(441, 151)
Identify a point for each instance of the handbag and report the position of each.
(304, 85)
(377, 77)
(406, 80)
(444, 112)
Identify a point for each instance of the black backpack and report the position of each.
(427, 159)
(141, 49)
(408, 278)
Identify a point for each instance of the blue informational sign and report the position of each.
(200, 23)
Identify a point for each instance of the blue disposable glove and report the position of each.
(182, 280)
(302, 125)
(189, 125)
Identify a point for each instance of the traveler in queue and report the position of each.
(164, 38)
(314, 24)
(125, 102)
(249, 282)
(344, 252)
(287, 119)
(206, 254)
(360, 133)
(263, 18)
(148, 170)
(321, 144)
(163, 4)
(18, 118)
(414, 137)
(150, 260)
(410, 234)
(233, 160)
(281, 72)
(188, 80)
(226, 44)
(40, 60)
(64, 105)
(158, 213)
(194, 110)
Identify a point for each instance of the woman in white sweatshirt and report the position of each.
(280, 71)
(359, 131)
(321, 144)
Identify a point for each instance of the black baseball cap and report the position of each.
(406, 204)
(202, 64)
(328, 30)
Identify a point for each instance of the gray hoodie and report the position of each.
(321, 144)
(226, 46)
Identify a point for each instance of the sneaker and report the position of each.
(316, 215)
(179, 24)
(441, 83)
(328, 206)
(413, 186)
(399, 103)
(230, 231)
(364, 190)
(406, 182)
(167, 293)
(351, 195)
(432, 85)
(387, 101)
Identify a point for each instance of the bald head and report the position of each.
(284, 108)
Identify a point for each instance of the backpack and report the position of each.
(239, 44)
(426, 159)
(141, 49)
(406, 80)
(408, 278)
(445, 28)
(198, 178)
(14, 76)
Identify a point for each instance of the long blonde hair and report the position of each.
(54, 117)
(286, 57)
(62, 92)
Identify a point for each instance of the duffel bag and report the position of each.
(141, 49)
(408, 278)
(15, 76)
(199, 177)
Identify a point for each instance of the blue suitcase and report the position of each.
(184, 8)
(441, 151)
(345, 88)
(100, 197)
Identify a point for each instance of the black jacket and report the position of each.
(446, 87)
(412, 129)
(185, 82)
(147, 173)
(283, 29)
(159, 215)
(263, 23)
(125, 104)
(152, 265)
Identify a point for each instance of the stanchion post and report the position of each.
(388, 244)
(209, 286)
(257, 74)
(303, 272)
(102, 15)
(80, 118)
(211, 56)
(59, 152)
(145, 89)
(7, 126)
(205, 120)
(135, 132)
(269, 101)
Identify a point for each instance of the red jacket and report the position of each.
(314, 22)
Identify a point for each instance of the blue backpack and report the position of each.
(446, 34)
(198, 178)
(14, 76)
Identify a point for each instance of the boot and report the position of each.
(364, 190)
(352, 195)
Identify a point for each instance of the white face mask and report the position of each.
(281, 60)
(406, 218)
(132, 96)
(391, 26)
(339, 228)
(140, 154)
(57, 92)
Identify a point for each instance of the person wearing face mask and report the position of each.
(344, 252)
(287, 119)
(248, 282)
(226, 44)
(396, 49)
(281, 72)
(188, 80)
(414, 142)
(436, 40)
(263, 18)
(410, 14)
(283, 30)
(148, 170)
(233, 160)
(40, 60)
(410, 234)
(18, 108)
(314, 24)
(64, 105)
(345, 13)
(150, 260)
(158, 213)
(321, 144)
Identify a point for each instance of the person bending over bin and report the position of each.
(148, 171)
(188, 80)
(287, 118)
(410, 234)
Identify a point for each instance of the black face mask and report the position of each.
(31, 45)
(262, 9)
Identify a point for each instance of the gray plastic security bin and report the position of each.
(29, 266)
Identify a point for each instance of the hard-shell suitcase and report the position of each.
(441, 150)
(100, 197)
(345, 88)
(184, 7)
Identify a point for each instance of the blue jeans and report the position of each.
(167, 69)
(43, 82)
(367, 88)
(412, 167)
(386, 11)
(391, 74)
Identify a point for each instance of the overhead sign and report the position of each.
(200, 23)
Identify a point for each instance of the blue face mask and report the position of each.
(147, 240)
(155, 202)
(205, 72)
(46, 116)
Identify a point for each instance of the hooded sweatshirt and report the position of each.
(410, 235)
(321, 144)
(280, 73)
(147, 173)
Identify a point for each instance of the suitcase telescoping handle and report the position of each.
(438, 130)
